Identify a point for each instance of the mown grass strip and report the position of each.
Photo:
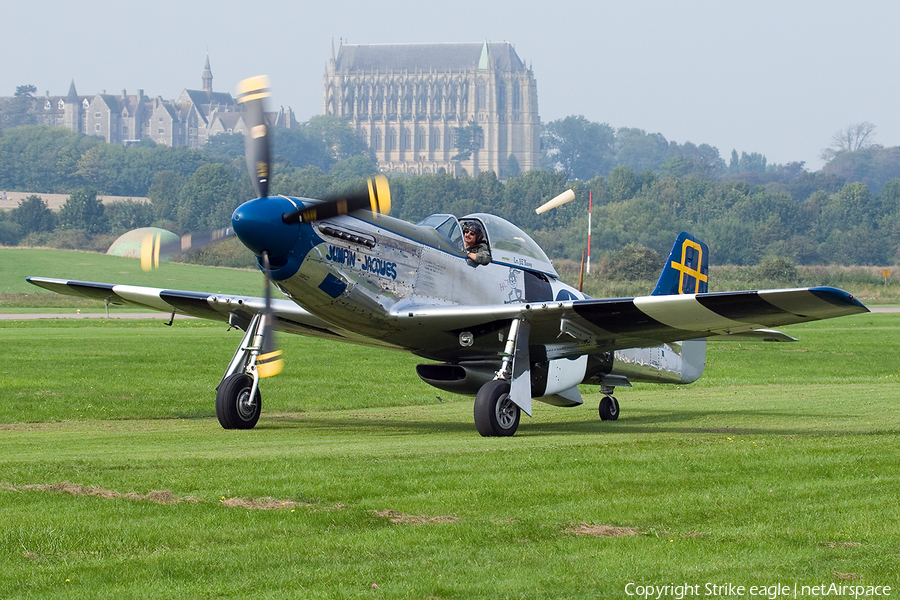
(780, 466)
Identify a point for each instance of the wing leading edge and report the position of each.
(232, 309)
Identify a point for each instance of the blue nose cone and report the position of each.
(259, 226)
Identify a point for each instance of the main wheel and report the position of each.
(609, 408)
(495, 413)
(234, 408)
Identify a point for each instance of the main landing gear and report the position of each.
(238, 405)
(238, 401)
(496, 415)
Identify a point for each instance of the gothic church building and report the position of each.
(407, 101)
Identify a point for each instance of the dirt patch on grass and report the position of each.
(261, 503)
(403, 519)
(603, 531)
(155, 496)
(842, 544)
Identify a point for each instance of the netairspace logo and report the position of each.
(771, 592)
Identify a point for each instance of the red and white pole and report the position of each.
(590, 201)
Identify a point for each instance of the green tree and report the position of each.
(33, 216)
(639, 150)
(308, 182)
(512, 167)
(207, 199)
(129, 214)
(635, 262)
(42, 158)
(848, 208)
(354, 168)
(21, 108)
(229, 145)
(850, 139)
(164, 193)
(9, 231)
(299, 148)
(621, 184)
(83, 211)
(469, 139)
(579, 147)
(339, 139)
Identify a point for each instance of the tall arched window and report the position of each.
(480, 96)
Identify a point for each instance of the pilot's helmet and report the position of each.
(474, 227)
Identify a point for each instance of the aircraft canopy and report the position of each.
(509, 244)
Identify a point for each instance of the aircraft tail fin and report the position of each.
(687, 268)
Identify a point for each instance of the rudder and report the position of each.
(687, 268)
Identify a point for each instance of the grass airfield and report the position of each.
(781, 466)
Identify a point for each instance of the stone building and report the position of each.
(127, 119)
(408, 101)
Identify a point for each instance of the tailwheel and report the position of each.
(609, 408)
(495, 413)
(234, 407)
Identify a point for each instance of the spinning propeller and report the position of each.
(268, 225)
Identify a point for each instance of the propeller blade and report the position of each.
(251, 93)
(376, 197)
(153, 250)
(269, 361)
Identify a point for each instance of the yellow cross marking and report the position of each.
(686, 270)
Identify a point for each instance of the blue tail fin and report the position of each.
(687, 268)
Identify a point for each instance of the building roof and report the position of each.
(72, 98)
(425, 57)
(203, 98)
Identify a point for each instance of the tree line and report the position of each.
(644, 191)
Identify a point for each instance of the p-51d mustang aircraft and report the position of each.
(506, 332)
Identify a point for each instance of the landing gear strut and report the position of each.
(495, 412)
(238, 401)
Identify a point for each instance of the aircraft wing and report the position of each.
(235, 310)
(612, 324)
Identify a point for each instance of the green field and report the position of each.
(18, 263)
(780, 466)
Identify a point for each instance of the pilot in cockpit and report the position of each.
(476, 247)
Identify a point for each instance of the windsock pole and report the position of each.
(590, 201)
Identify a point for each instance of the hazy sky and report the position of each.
(775, 77)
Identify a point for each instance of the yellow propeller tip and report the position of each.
(253, 88)
(150, 251)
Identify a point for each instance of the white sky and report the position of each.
(777, 77)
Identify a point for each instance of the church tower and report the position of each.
(410, 101)
(207, 77)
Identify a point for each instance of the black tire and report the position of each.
(495, 414)
(233, 408)
(609, 409)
